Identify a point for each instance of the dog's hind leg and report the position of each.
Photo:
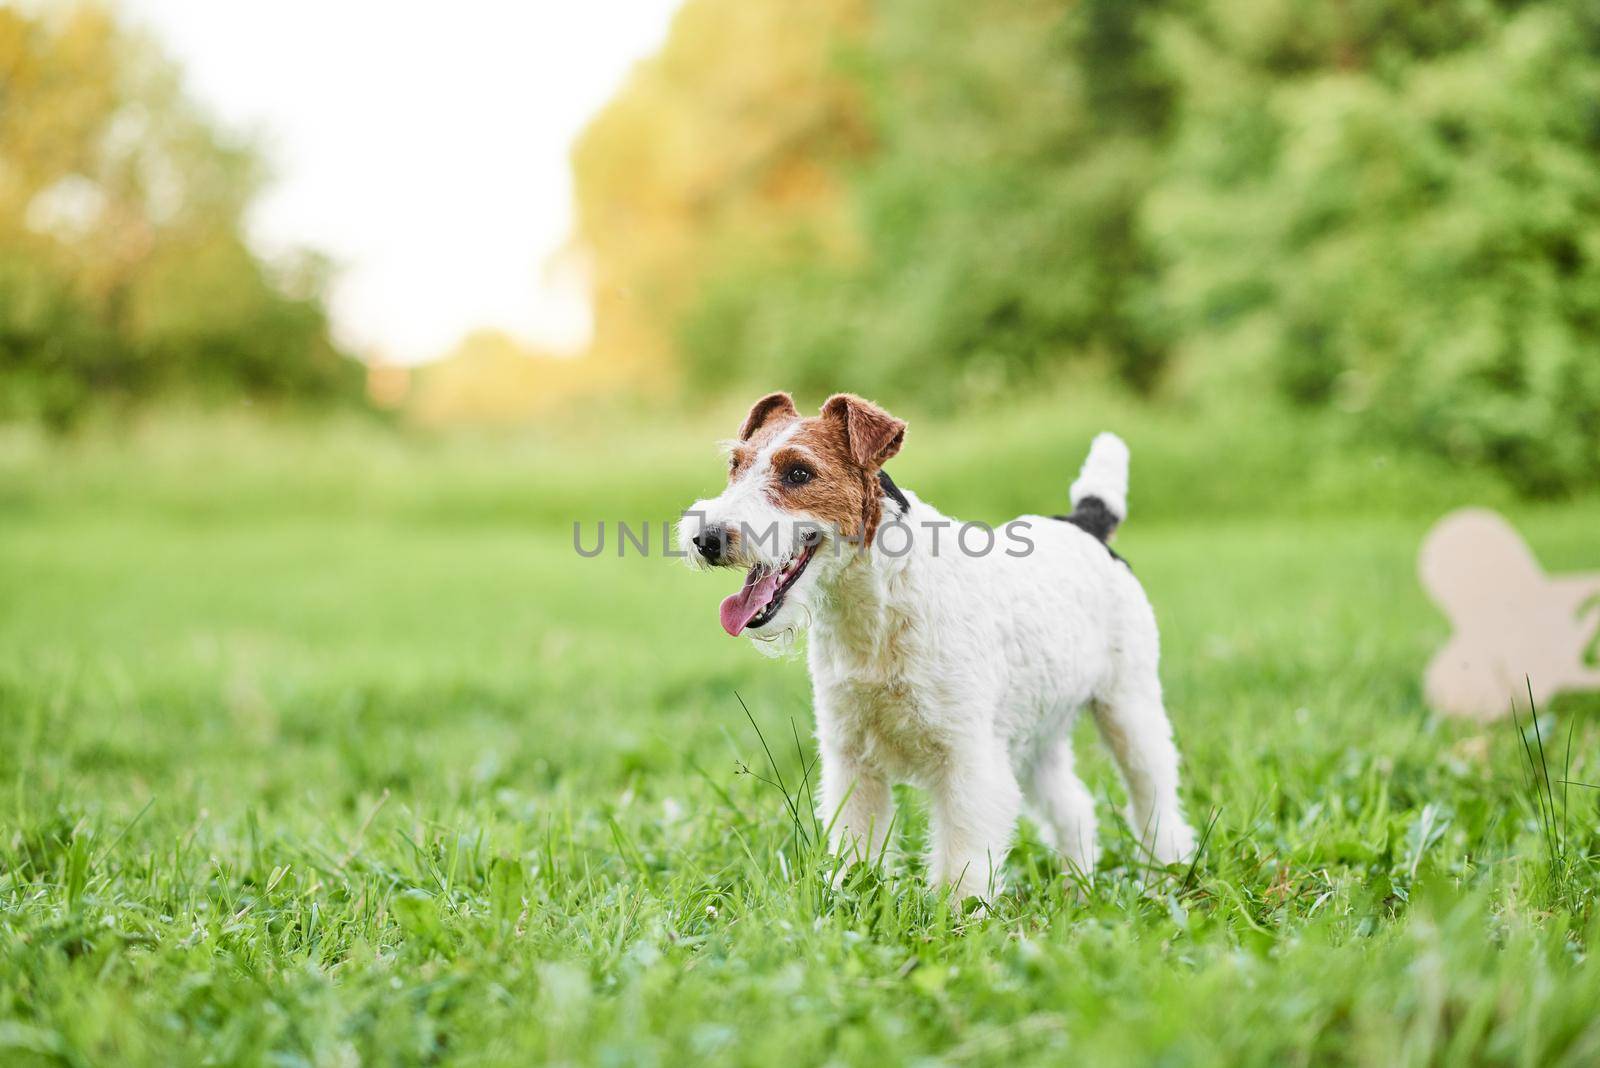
(1064, 805)
(1134, 724)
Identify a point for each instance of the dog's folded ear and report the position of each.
(872, 433)
(772, 406)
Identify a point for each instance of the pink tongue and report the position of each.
(745, 605)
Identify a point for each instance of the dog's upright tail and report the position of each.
(1100, 495)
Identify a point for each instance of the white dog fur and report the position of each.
(963, 673)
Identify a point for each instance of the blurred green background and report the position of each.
(1380, 214)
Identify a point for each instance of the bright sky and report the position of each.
(422, 145)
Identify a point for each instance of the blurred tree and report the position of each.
(1384, 208)
(1403, 222)
(123, 269)
(996, 155)
(727, 148)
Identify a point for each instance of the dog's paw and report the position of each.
(1166, 840)
(1172, 844)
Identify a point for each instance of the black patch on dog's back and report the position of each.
(1090, 514)
(1093, 517)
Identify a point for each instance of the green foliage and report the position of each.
(1386, 210)
(730, 143)
(123, 268)
(1411, 239)
(322, 747)
(998, 213)
(52, 348)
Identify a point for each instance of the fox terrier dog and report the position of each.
(957, 663)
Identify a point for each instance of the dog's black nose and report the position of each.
(711, 543)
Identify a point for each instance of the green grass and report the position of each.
(319, 745)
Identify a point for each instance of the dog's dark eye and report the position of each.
(797, 475)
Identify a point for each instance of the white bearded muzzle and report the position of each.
(742, 528)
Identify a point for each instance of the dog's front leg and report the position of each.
(976, 801)
(856, 804)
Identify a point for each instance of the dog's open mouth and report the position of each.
(762, 595)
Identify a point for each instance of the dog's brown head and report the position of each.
(825, 467)
(795, 485)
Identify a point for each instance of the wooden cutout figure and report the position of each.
(1512, 624)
